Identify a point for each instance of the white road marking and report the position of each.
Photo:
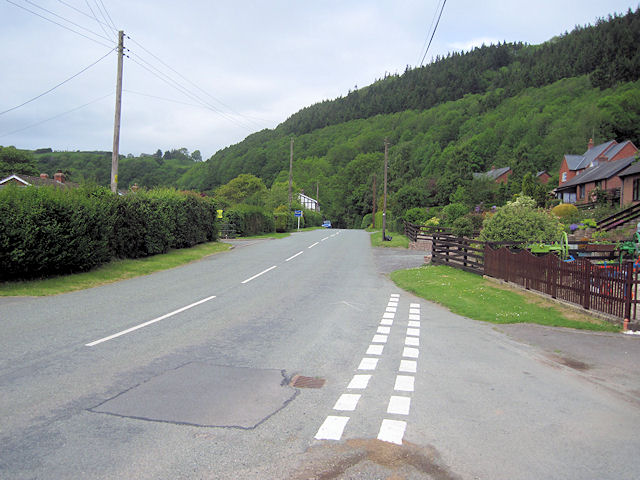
(414, 317)
(145, 324)
(347, 402)
(261, 273)
(412, 341)
(379, 339)
(404, 383)
(389, 315)
(392, 431)
(395, 295)
(414, 305)
(410, 352)
(375, 349)
(385, 330)
(386, 321)
(414, 311)
(359, 382)
(399, 405)
(414, 332)
(325, 238)
(392, 304)
(294, 256)
(408, 366)
(391, 309)
(414, 323)
(332, 428)
(368, 363)
(313, 245)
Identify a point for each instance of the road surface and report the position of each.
(187, 373)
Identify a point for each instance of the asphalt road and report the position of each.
(186, 374)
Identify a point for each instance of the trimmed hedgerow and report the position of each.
(250, 220)
(47, 231)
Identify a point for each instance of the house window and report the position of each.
(581, 190)
(636, 189)
(564, 177)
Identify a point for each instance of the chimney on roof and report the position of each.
(590, 145)
(59, 176)
(44, 175)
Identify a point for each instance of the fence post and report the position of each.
(554, 267)
(628, 289)
(586, 300)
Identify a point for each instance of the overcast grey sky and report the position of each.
(254, 63)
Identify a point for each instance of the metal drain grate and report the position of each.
(300, 381)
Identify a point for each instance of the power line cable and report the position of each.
(434, 32)
(96, 18)
(57, 116)
(165, 99)
(63, 26)
(108, 17)
(192, 83)
(82, 12)
(426, 40)
(59, 84)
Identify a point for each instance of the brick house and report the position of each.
(498, 175)
(609, 151)
(543, 176)
(20, 180)
(630, 184)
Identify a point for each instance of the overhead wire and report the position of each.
(96, 18)
(433, 32)
(57, 116)
(84, 13)
(163, 98)
(193, 84)
(108, 16)
(59, 84)
(64, 26)
(426, 40)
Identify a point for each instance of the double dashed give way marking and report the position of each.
(391, 428)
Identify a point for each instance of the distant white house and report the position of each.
(308, 202)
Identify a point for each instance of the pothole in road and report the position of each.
(205, 395)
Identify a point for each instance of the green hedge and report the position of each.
(250, 220)
(47, 231)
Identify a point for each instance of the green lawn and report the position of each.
(474, 297)
(397, 240)
(112, 272)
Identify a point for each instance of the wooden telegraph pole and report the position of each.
(384, 208)
(116, 123)
(373, 221)
(290, 172)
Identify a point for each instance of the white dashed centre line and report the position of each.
(145, 324)
(294, 256)
(313, 245)
(257, 275)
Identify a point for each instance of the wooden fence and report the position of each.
(610, 289)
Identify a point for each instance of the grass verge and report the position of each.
(474, 297)
(112, 272)
(398, 240)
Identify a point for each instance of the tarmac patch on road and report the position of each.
(205, 395)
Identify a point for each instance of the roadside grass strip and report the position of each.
(472, 296)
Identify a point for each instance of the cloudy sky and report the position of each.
(204, 74)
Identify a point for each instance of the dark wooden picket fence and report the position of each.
(610, 289)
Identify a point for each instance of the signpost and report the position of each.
(298, 213)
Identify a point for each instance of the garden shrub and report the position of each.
(312, 219)
(417, 215)
(453, 211)
(367, 220)
(564, 210)
(250, 220)
(462, 227)
(520, 222)
(283, 219)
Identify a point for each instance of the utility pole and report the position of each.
(290, 172)
(317, 195)
(384, 207)
(373, 224)
(116, 123)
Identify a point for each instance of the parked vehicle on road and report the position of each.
(326, 224)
